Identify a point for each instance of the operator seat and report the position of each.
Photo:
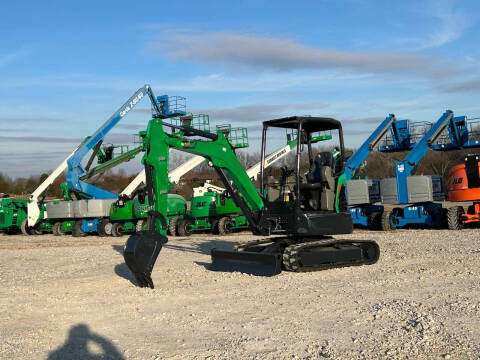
(320, 186)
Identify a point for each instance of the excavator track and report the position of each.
(329, 254)
(269, 256)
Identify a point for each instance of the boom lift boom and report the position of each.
(161, 109)
(88, 212)
(362, 193)
(420, 191)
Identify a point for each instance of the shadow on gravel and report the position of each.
(203, 247)
(77, 346)
(118, 248)
(122, 269)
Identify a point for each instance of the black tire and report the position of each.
(101, 228)
(172, 226)
(77, 229)
(224, 226)
(57, 229)
(442, 219)
(24, 228)
(9, 231)
(117, 229)
(184, 227)
(386, 221)
(215, 226)
(140, 225)
(376, 220)
(454, 218)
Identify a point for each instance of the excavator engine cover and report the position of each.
(141, 252)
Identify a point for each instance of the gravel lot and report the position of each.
(66, 298)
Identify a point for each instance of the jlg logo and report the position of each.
(457, 181)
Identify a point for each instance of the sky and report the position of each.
(65, 67)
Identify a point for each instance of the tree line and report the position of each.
(379, 165)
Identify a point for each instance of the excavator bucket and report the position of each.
(141, 252)
(248, 262)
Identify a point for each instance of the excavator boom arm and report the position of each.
(216, 149)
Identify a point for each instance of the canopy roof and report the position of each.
(310, 124)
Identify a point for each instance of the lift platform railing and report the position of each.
(236, 136)
(196, 121)
(405, 136)
(460, 133)
(171, 104)
(314, 137)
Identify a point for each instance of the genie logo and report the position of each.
(131, 104)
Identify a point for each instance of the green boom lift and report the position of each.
(129, 213)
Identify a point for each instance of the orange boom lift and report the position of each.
(464, 185)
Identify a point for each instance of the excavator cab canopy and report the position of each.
(307, 126)
(304, 196)
(308, 123)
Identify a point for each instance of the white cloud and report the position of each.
(259, 112)
(449, 24)
(247, 52)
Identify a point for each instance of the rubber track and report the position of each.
(291, 258)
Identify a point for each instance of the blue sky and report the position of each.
(65, 66)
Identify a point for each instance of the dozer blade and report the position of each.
(249, 262)
(140, 254)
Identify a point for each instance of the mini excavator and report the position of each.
(309, 206)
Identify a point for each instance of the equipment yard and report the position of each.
(64, 297)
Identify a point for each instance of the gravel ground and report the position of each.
(64, 298)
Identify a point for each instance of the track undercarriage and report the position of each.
(270, 255)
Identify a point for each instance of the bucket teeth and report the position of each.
(141, 252)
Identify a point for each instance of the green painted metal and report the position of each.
(12, 213)
(219, 152)
(342, 184)
(67, 226)
(237, 137)
(134, 210)
(197, 121)
(105, 165)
